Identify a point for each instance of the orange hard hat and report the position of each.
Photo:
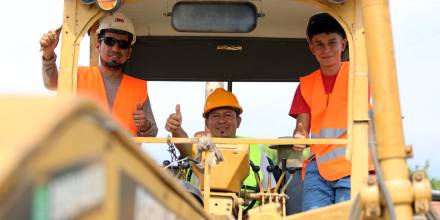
(221, 98)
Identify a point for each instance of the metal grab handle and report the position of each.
(284, 141)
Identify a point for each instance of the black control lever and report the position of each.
(256, 169)
(283, 164)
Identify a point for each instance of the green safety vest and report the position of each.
(250, 183)
(255, 157)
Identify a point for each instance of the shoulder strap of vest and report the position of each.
(306, 85)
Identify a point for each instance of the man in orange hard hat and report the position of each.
(222, 118)
(123, 96)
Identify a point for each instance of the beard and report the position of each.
(112, 64)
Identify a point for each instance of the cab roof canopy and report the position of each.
(275, 51)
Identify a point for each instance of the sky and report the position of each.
(416, 32)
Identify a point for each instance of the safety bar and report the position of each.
(284, 141)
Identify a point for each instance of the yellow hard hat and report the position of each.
(117, 21)
(221, 98)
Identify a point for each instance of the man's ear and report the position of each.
(344, 44)
(129, 52)
(238, 121)
(206, 122)
(97, 46)
(309, 43)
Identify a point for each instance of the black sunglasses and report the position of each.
(110, 41)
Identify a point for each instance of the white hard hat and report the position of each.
(117, 21)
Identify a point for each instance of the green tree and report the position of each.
(435, 183)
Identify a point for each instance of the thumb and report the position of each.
(301, 129)
(58, 31)
(179, 115)
(178, 109)
(139, 106)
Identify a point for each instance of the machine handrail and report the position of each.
(284, 141)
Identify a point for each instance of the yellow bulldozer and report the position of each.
(73, 162)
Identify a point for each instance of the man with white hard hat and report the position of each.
(125, 97)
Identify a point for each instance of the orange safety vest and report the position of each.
(328, 120)
(131, 92)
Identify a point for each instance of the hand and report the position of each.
(300, 133)
(174, 121)
(140, 120)
(201, 133)
(49, 42)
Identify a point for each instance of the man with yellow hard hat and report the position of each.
(123, 96)
(222, 118)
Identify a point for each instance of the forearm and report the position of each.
(50, 73)
(304, 119)
(184, 149)
(150, 132)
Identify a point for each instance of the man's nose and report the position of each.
(116, 47)
(222, 118)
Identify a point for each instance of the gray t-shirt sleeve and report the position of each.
(50, 73)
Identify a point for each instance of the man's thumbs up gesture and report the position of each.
(174, 125)
(300, 132)
(140, 120)
(174, 122)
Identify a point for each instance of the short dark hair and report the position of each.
(116, 31)
(323, 23)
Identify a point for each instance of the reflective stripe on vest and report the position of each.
(333, 154)
(330, 133)
(130, 93)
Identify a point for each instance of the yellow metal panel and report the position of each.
(94, 55)
(165, 191)
(63, 148)
(387, 114)
(21, 129)
(334, 212)
(78, 19)
(70, 137)
(263, 212)
(359, 156)
(228, 174)
(221, 205)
